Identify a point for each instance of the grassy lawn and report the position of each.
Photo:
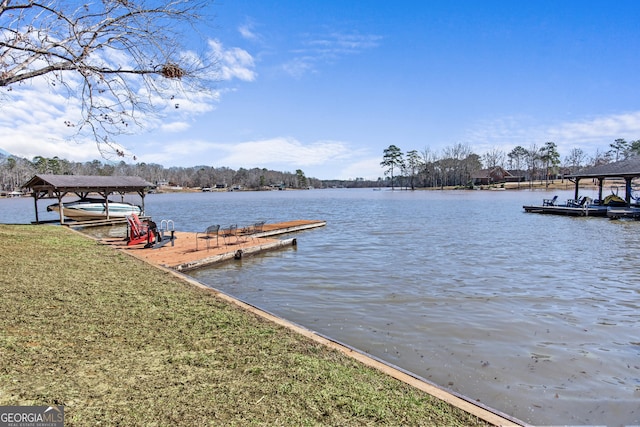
(119, 342)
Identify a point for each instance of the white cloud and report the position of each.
(36, 120)
(297, 67)
(317, 159)
(607, 128)
(40, 139)
(278, 151)
(33, 115)
(181, 152)
(32, 123)
(501, 130)
(174, 127)
(368, 168)
(234, 63)
(246, 31)
(589, 134)
(327, 48)
(337, 43)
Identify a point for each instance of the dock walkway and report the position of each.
(183, 256)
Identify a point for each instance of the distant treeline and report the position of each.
(15, 171)
(458, 165)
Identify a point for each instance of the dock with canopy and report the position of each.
(47, 186)
(627, 169)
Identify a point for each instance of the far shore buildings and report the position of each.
(495, 175)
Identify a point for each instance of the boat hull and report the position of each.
(92, 210)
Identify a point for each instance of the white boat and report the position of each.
(88, 209)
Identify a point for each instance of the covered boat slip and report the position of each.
(624, 171)
(47, 186)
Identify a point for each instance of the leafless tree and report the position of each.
(115, 56)
(493, 158)
(575, 160)
(413, 164)
(458, 163)
(532, 160)
(429, 167)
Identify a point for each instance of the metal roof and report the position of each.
(88, 183)
(626, 168)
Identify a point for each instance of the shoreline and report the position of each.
(173, 352)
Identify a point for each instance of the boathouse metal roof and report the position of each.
(87, 183)
(627, 168)
(58, 186)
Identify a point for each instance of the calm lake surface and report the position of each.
(536, 316)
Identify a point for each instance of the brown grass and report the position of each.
(119, 342)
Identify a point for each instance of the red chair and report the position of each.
(139, 232)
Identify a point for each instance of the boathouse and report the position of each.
(47, 186)
(626, 170)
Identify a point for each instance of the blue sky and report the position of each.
(325, 86)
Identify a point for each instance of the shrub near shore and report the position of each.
(118, 342)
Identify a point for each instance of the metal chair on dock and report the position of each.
(249, 231)
(211, 232)
(259, 226)
(229, 234)
(550, 202)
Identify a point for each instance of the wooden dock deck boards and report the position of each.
(565, 210)
(183, 256)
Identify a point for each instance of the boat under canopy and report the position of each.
(47, 186)
(94, 208)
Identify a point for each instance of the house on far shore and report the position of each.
(495, 175)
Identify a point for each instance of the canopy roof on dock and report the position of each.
(628, 168)
(87, 184)
(58, 186)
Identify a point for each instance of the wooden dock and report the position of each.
(618, 212)
(599, 211)
(182, 255)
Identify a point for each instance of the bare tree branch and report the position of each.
(112, 54)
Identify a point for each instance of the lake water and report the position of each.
(536, 316)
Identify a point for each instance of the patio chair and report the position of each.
(585, 201)
(230, 233)
(250, 231)
(244, 233)
(550, 202)
(139, 232)
(580, 203)
(258, 227)
(211, 232)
